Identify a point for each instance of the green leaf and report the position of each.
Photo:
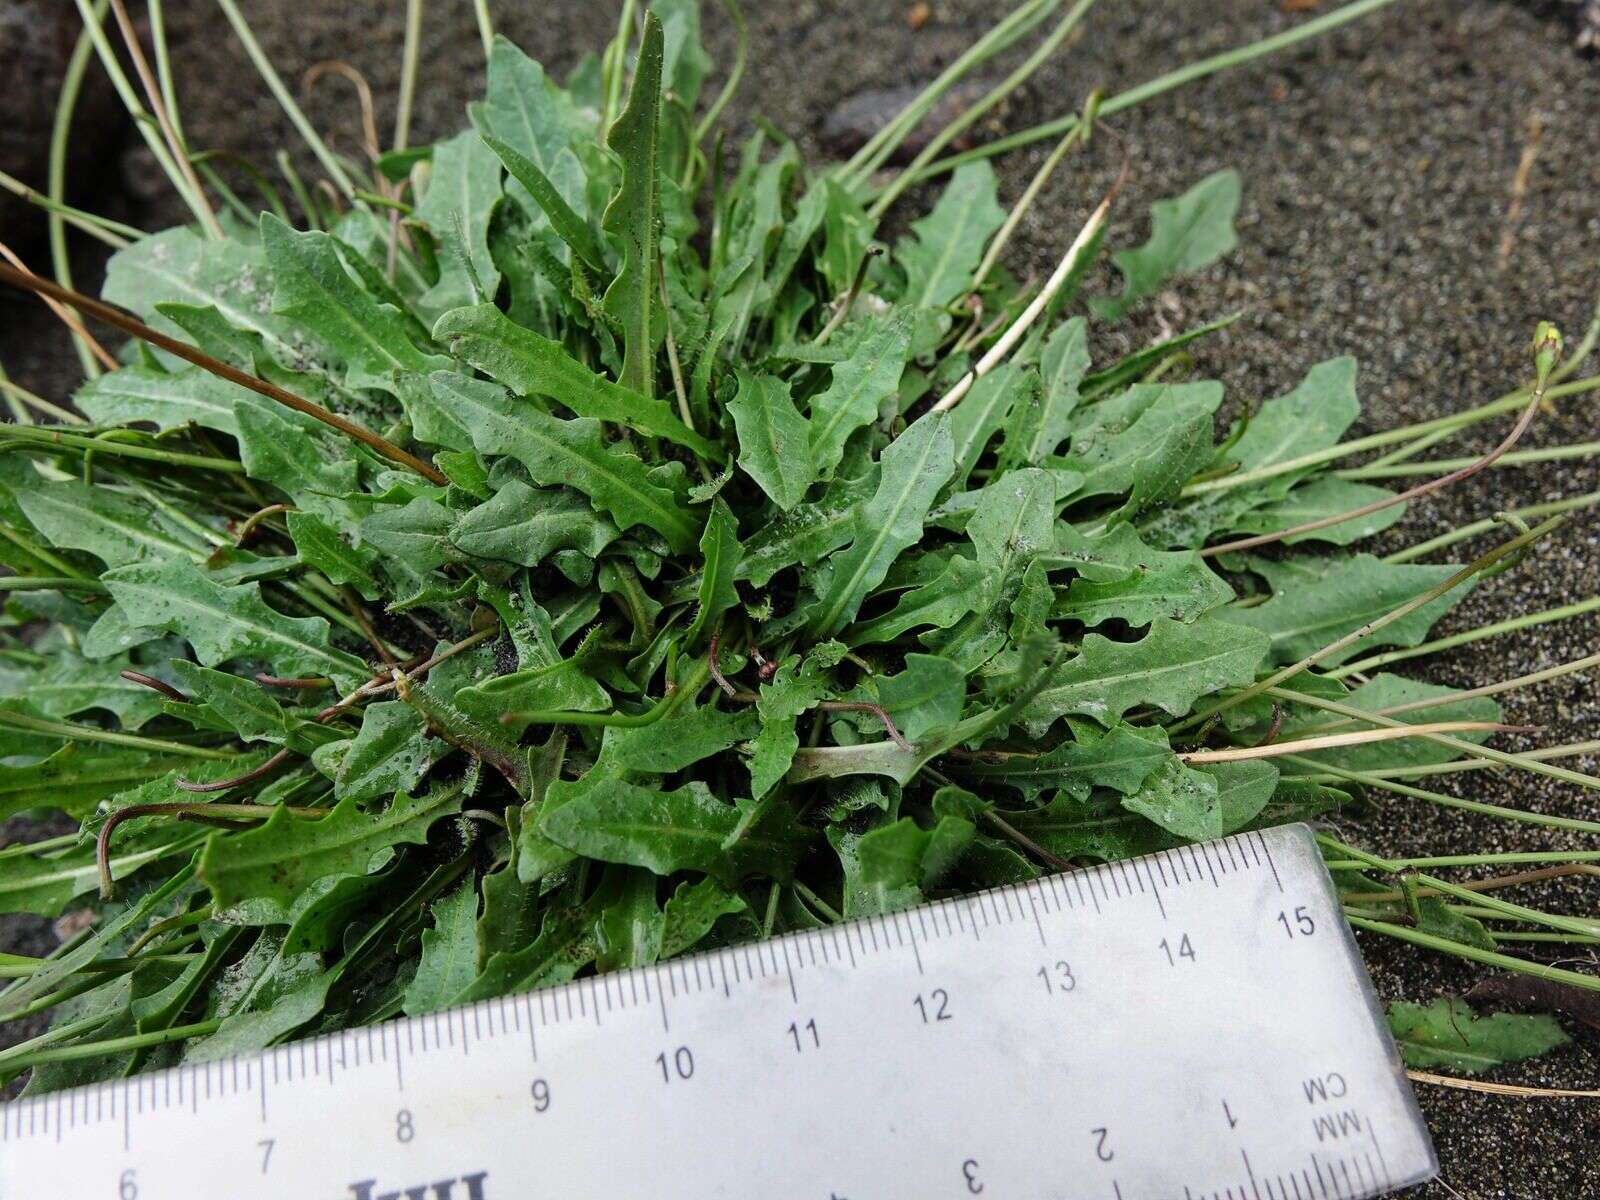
(1316, 601)
(1145, 443)
(314, 472)
(1386, 691)
(167, 400)
(565, 945)
(463, 190)
(69, 684)
(208, 329)
(858, 387)
(571, 453)
(890, 890)
(1044, 418)
(163, 1007)
(720, 554)
(412, 539)
(1180, 800)
(430, 408)
(692, 912)
(271, 865)
(532, 365)
(1099, 829)
(490, 743)
(244, 706)
(569, 226)
(44, 884)
(963, 587)
(105, 933)
(680, 740)
(1448, 1034)
(114, 527)
(1013, 521)
(321, 547)
(1170, 667)
(774, 439)
(466, 472)
(1120, 578)
(806, 534)
(561, 686)
(229, 275)
(925, 697)
(284, 983)
(1317, 500)
(630, 924)
(1186, 233)
(510, 917)
(986, 410)
(77, 777)
(1243, 790)
(847, 232)
(942, 257)
(631, 217)
(1437, 918)
(449, 960)
(523, 108)
(524, 525)
(1312, 417)
(313, 288)
(536, 856)
(681, 830)
(795, 687)
(391, 753)
(895, 863)
(1121, 758)
(686, 62)
(227, 622)
(916, 466)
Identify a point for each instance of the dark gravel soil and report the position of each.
(1378, 166)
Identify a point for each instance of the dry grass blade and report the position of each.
(369, 121)
(1501, 1089)
(1332, 740)
(1070, 261)
(152, 91)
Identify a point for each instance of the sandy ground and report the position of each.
(1378, 168)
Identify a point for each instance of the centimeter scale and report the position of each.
(1193, 1024)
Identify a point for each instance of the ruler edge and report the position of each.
(1303, 832)
(1300, 833)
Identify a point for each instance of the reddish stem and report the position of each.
(159, 685)
(223, 785)
(309, 683)
(716, 671)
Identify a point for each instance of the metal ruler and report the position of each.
(1194, 1024)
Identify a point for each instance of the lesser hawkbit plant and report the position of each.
(579, 541)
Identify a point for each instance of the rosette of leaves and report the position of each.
(660, 600)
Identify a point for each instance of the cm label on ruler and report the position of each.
(1191, 1024)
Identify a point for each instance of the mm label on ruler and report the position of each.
(1193, 1024)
